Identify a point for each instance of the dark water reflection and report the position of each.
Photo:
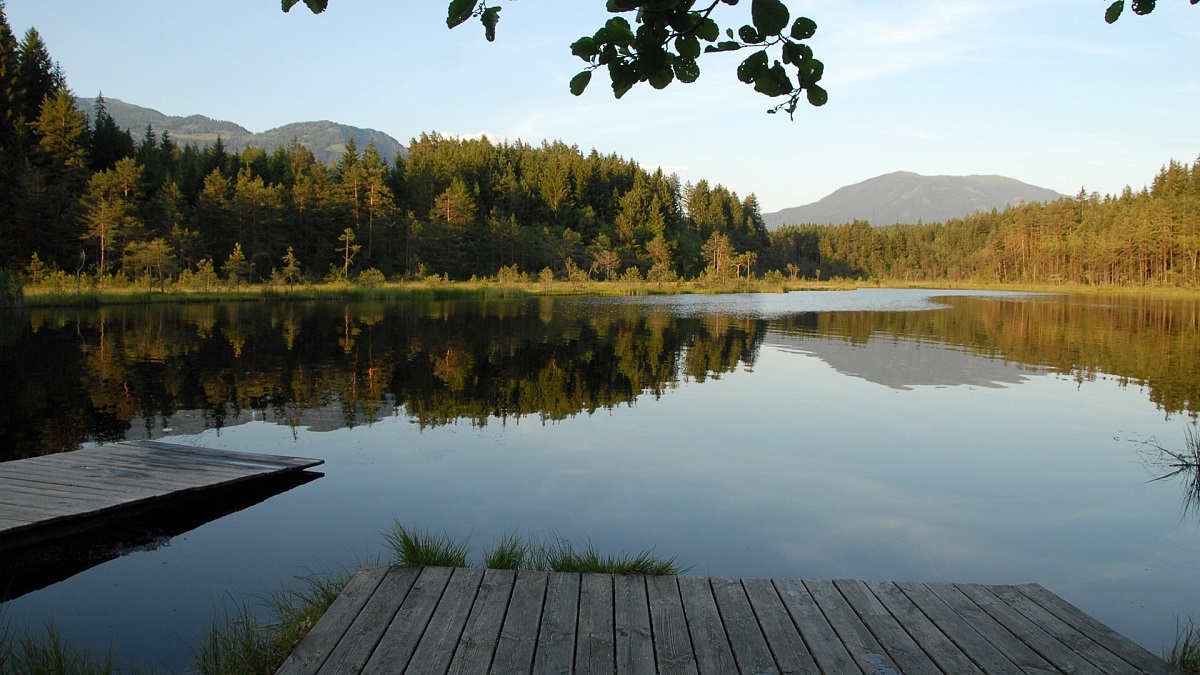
(872, 434)
(74, 376)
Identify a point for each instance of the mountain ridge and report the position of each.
(326, 139)
(907, 197)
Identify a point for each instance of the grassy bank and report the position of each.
(436, 288)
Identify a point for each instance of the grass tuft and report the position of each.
(48, 652)
(1185, 653)
(420, 548)
(554, 553)
(239, 643)
(509, 553)
(562, 556)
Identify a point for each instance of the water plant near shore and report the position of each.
(241, 643)
(1185, 653)
(512, 551)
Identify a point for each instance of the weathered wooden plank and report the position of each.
(672, 642)
(560, 616)
(68, 492)
(438, 620)
(791, 654)
(518, 636)
(482, 632)
(709, 640)
(896, 642)
(746, 638)
(631, 622)
(320, 642)
(863, 646)
(236, 455)
(396, 648)
(440, 640)
(1072, 639)
(359, 641)
(595, 646)
(958, 629)
(941, 650)
(820, 637)
(1016, 623)
(1127, 649)
(1013, 649)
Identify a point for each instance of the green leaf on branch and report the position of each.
(687, 46)
(580, 82)
(687, 70)
(585, 48)
(708, 30)
(723, 47)
(796, 53)
(1114, 11)
(749, 35)
(316, 6)
(751, 69)
(770, 16)
(1143, 7)
(662, 77)
(491, 17)
(804, 28)
(816, 95)
(460, 11)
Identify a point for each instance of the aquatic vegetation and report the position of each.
(241, 643)
(554, 553)
(1185, 653)
(1183, 464)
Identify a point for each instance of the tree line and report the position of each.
(86, 202)
(1150, 237)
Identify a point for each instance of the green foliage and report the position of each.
(46, 652)
(1140, 7)
(1185, 653)
(419, 547)
(371, 278)
(671, 37)
(11, 292)
(509, 553)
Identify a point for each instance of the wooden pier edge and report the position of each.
(53, 497)
(458, 620)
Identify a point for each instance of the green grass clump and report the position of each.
(1185, 653)
(509, 553)
(240, 643)
(564, 558)
(47, 653)
(418, 548)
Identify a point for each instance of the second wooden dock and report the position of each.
(61, 495)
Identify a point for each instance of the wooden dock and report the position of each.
(454, 620)
(65, 494)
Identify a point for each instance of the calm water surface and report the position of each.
(873, 434)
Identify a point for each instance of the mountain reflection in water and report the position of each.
(74, 376)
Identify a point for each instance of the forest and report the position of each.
(85, 202)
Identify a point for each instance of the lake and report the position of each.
(873, 434)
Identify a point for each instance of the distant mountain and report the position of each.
(906, 197)
(327, 140)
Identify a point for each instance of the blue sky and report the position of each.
(1040, 90)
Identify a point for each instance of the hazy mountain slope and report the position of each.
(327, 140)
(906, 197)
